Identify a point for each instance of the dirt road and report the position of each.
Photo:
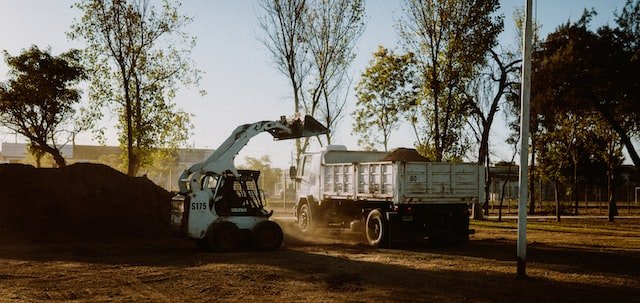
(577, 261)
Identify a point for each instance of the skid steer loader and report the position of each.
(221, 207)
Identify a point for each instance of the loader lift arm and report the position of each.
(222, 159)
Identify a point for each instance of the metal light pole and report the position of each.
(524, 143)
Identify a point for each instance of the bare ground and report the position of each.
(572, 261)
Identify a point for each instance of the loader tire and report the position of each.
(377, 229)
(267, 235)
(224, 236)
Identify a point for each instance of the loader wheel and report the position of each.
(305, 222)
(224, 236)
(267, 235)
(202, 243)
(376, 229)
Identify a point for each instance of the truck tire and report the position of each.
(305, 219)
(267, 235)
(377, 229)
(223, 236)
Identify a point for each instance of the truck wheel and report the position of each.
(202, 243)
(267, 235)
(305, 222)
(376, 229)
(224, 236)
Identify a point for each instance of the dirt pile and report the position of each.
(83, 201)
(405, 154)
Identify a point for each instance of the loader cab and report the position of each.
(238, 196)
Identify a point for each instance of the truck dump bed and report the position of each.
(403, 182)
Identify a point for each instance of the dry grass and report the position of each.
(572, 261)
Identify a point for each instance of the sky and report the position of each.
(242, 83)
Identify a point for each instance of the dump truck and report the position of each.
(221, 207)
(386, 196)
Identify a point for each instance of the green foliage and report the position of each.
(386, 89)
(138, 56)
(584, 72)
(450, 40)
(113, 161)
(163, 165)
(37, 158)
(38, 100)
(269, 176)
(578, 148)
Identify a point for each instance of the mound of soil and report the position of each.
(405, 154)
(81, 202)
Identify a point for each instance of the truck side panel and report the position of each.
(361, 181)
(434, 182)
(402, 182)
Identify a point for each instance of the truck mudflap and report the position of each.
(436, 222)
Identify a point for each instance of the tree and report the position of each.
(573, 132)
(513, 141)
(38, 101)
(612, 156)
(332, 29)
(163, 167)
(484, 97)
(283, 24)
(553, 162)
(137, 57)
(450, 39)
(596, 71)
(311, 43)
(269, 176)
(385, 90)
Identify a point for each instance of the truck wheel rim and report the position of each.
(304, 221)
(374, 229)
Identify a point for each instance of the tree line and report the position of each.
(448, 79)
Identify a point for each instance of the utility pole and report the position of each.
(524, 143)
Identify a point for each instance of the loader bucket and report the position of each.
(307, 127)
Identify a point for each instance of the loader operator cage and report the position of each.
(238, 193)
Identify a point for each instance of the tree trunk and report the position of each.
(604, 110)
(483, 159)
(555, 192)
(574, 190)
(60, 161)
(612, 210)
(296, 110)
(54, 152)
(487, 187)
(502, 193)
(128, 117)
(437, 130)
(532, 184)
(137, 149)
